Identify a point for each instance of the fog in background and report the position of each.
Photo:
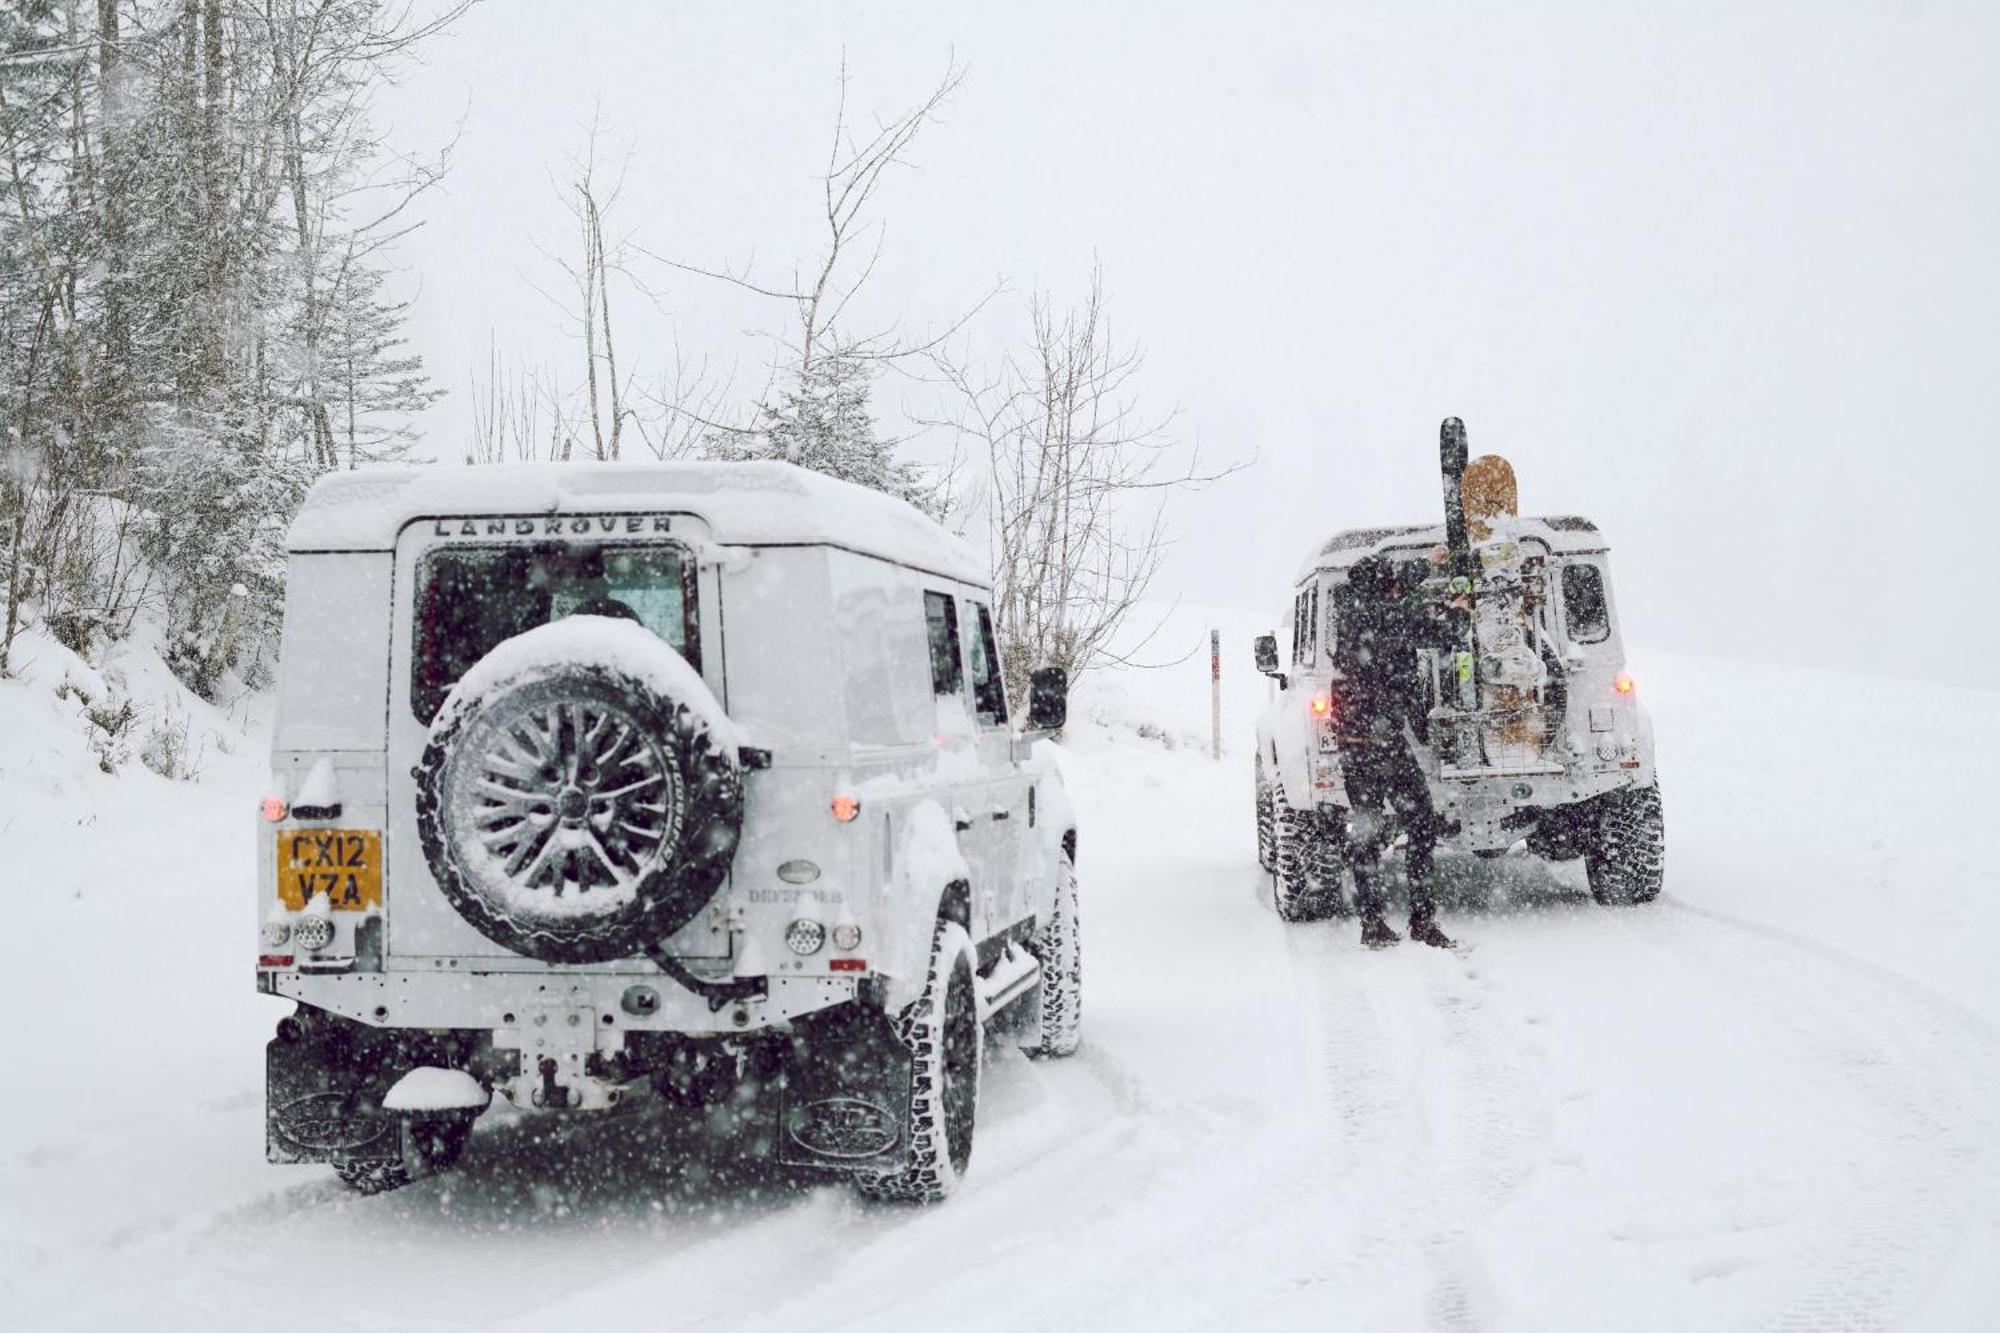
(1721, 277)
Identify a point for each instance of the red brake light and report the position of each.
(273, 808)
(845, 808)
(1624, 684)
(847, 965)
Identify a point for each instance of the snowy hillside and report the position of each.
(1770, 1099)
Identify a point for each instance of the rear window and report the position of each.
(1583, 603)
(470, 599)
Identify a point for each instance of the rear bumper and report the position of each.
(615, 1003)
(836, 1089)
(1492, 813)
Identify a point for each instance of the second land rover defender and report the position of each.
(1533, 732)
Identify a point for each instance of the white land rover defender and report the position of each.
(1533, 731)
(692, 778)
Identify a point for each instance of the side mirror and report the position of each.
(1266, 648)
(1048, 698)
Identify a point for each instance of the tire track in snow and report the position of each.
(1930, 1068)
(1439, 1145)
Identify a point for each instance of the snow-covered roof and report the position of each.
(1566, 534)
(744, 504)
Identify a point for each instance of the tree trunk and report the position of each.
(112, 184)
(217, 232)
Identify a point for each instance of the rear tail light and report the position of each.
(272, 808)
(1624, 683)
(847, 937)
(846, 808)
(1322, 705)
(313, 933)
(847, 965)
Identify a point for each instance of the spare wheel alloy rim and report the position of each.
(562, 799)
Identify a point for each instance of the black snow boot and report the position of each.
(1424, 930)
(1377, 933)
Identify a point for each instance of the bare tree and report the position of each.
(816, 410)
(589, 198)
(689, 408)
(1076, 482)
(522, 415)
(820, 292)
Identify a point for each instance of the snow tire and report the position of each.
(1626, 855)
(1267, 847)
(941, 1030)
(571, 734)
(1057, 946)
(1304, 876)
(429, 1145)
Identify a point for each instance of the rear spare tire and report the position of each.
(579, 799)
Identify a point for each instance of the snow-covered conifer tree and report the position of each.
(821, 420)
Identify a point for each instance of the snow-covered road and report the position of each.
(1770, 1100)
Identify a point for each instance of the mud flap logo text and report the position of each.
(844, 1127)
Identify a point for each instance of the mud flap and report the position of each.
(845, 1098)
(323, 1087)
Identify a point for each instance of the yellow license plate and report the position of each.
(344, 864)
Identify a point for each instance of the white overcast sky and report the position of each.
(1723, 276)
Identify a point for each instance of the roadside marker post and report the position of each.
(1215, 693)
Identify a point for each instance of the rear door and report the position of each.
(1001, 811)
(959, 772)
(464, 585)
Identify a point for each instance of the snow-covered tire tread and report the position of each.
(1058, 946)
(429, 1146)
(1267, 852)
(673, 890)
(926, 1028)
(1300, 874)
(1626, 854)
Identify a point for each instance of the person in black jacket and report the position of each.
(1378, 703)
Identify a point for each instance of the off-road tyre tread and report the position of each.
(443, 1144)
(1267, 850)
(1302, 888)
(376, 1177)
(928, 1175)
(1058, 946)
(1626, 856)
